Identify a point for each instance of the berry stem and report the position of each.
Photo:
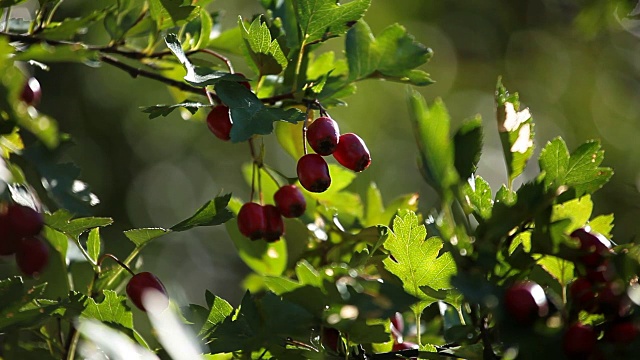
(6, 20)
(304, 128)
(221, 57)
(111, 256)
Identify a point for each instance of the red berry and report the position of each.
(594, 245)
(398, 322)
(275, 227)
(219, 122)
(24, 220)
(313, 173)
(31, 92)
(621, 332)
(32, 255)
(138, 286)
(579, 341)
(602, 273)
(582, 294)
(612, 300)
(352, 152)
(323, 135)
(244, 83)
(526, 302)
(406, 345)
(331, 339)
(251, 221)
(8, 240)
(290, 201)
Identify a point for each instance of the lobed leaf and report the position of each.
(214, 212)
(320, 20)
(467, 143)
(265, 52)
(164, 110)
(143, 235)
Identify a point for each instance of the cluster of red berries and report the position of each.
(141, 283)
(324, 138)
(596, 291)
(19, 229)
(257, 221)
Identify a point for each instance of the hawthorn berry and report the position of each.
(313, 173)
(290, 201)
(622, 332)
(244, 83)
(251, 221)
(352, 152)
(397, 323)
(405, 345)
(219, 122)
(31, 92)
(595, 246)
(274, 225)
(323, 135)
(582, 294)
(331, 339)
(526, 302)
(140, 283)
(24, 220)
(32, 255)
(579, 341)
(612, 299)
(8, 240)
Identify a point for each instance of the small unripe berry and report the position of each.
(24, 220)
(323, 135)
(579, 341)
(525, 302)
(31, 92)
(290, 201)
(274, 225)
(352, 152)
(313, 173)
(140, 283)
(32, 255)
(219, 122)
(251, 221)
(595, 246)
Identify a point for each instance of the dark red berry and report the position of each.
(397, 321)
(406, 345)
(603, 273)
(31, 92)
(251, 221)
(595, 246)
(140, 283)
(24, 220)
(313, 173)
(582, 294)
(623, 332)
(579, 341)
(323, 135)
(290, 201)
(525, 302)
(275, 227)
(244, 83)
(352, 152)
(612, 299)
(8, 240)
(219, 122)
(32, 255)
(331, 339)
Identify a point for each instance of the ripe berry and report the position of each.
(623, 332)
(31, 92)
(251, 221)
(8, 240)
(275, 227)
(244, 83)
(313, 173)
(352, 152)
(526, 302)
(406, 345)
(140, 283)
(32, 255)
(594, 245)
(397, 321)
(331, 339)
(579, 341)
(219, 122)
(290, 201)
(323, 135)
(603, 273)
(24, 220)
(582, 294)
(612, 299)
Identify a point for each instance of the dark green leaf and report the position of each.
(322, 19)
(144, 235)
(477, 194)
(249, 115)
(468, 147)
(69, 28)
(111, 310)
(214, 212)
(170, 13)
(219, 309)
(265, 52)
(164, 110)
(62, 221)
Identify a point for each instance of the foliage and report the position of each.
(346, 265)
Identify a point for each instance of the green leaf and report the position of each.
(322, 19)
(249, 115)
(59, 53)
(219, 309)
(7, 3)
(93, 244)
(307, 274)
(170, 13)
(265, 52)
(280, 285)
(468, 147)
(164, 110)
(516, 131)
(214, 212)
(417, 260)
(143, 235)
(62, 221)
(554, 161)
(477, 194)
(602, 224)
(431, 128)
(69, 28)
(111, 310)
(559, 269)
(290, 138)
(19, 307)
(577, 210)
(394, 55)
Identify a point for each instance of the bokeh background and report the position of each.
(573, 62)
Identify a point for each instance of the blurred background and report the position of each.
(574, 64)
